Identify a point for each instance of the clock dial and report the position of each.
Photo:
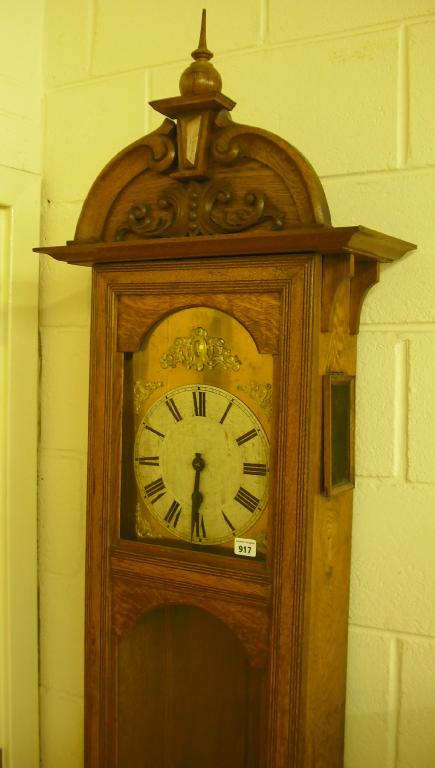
(201, 461)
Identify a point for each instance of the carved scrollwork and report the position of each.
(256, 209)
(200, 351)
(160, 147)
(143, 221)
(207, 208)
(225, 150)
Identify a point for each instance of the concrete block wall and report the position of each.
(20, 86)
(20, 181)
(351, 85)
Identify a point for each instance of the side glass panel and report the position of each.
(340, 437)
(338, 432)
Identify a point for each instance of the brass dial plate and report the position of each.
(201, 464)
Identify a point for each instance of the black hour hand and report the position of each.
(198, 528)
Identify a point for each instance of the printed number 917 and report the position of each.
(245, 547)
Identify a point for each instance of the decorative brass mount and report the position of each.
(200, 351)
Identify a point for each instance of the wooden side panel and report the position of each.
(327, 646)
(328, 568)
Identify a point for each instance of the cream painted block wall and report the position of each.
(352, 86)
(20, 185)
(20, 85)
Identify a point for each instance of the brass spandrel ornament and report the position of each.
(142, 391)
(261, 394)
(200, 351)
(143, 528)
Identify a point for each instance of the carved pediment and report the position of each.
(201, 174)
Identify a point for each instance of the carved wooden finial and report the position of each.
(195, 110)
(202, 52)
(201, 78)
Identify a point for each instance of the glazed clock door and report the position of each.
(197, 422)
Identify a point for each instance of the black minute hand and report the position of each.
(198, 464)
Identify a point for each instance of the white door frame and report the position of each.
(19, 232)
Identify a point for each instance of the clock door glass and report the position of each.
(196, 434)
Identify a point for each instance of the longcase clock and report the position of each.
(225, 313)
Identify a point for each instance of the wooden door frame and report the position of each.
(19, 701)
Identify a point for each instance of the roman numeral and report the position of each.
(155, 490)
(173, 514)
(148, 461)
(253, 469)
(199, 403)
(226, 412)
(173, 409)
(151, 429)
(246, 499)
(199, 527)
(228, 521)
(247, 436)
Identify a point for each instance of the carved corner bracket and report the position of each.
(337, 269)
(365, 277)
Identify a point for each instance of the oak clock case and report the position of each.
(225, 314)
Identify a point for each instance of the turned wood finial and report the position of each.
(202, 52)
(201, 78)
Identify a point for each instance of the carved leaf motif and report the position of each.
(206, 208)
(199, 351)
(143, 221)
(257, 209)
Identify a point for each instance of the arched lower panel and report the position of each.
(248, 622)
(186, 695)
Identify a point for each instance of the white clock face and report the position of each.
(201, 462)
